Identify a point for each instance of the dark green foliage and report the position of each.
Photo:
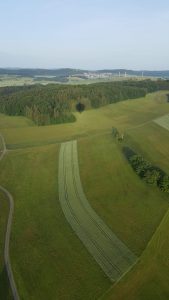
(151, 174)
(167, 97)
(80, 107)
(164, 183)
(115, 132)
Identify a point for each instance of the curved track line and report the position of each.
(109, 252)
(8, 233)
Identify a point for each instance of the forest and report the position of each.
(55, 103)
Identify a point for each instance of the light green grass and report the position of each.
(14, 121)
(48, 260)
(1, 145)
(163, 121)
(5, 292)
(97, 121)
(152, 141)
(130, 207)
(149, 278)
(15, 81)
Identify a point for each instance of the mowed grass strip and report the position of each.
(163, 121)
(149, 278)
(110, 253)
(48, 260)
(130, 207)
(122, 115)
(5, 291)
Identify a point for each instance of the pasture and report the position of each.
(163, 121)
(48, 259)
(117, 194)
(149, 278)
(14, 122)
(57, 264)
(151, 140)
(92, 122)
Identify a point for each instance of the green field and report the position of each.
(149, 278)
(97, 121)
(117, 194)
(151, 140)
(48, 259)
(163, 122)
(14, 80)
(14, 122)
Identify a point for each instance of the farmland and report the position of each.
(122, 115)
(149, 279)
(163, 121)
(120, 198)
(43, 243)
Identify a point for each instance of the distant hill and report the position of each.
(66, 72)
(40, 72)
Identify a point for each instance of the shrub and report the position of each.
(151, 176)
(164, 183)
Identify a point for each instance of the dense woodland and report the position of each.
(54, 103)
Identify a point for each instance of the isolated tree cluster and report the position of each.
(117, 135)
(151, 174)
(80, 107)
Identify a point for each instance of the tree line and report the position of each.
(150, 174)
(55, 103)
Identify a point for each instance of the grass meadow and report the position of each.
(163, 121)
(48, 260)
(149, 278)
(123, 115)
(117, 194)
(152, 141)
(14, 122)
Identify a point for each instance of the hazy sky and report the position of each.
(88, 34)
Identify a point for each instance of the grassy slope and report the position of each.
(149, 279)
(151, 141)
(117, 194)
(123, 114)
(14, 122)
(34, 168)
(49, 261)
(5, 292)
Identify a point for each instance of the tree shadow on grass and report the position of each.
(5, 290)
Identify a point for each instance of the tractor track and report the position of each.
(8, 232)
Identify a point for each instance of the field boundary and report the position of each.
(8, 232)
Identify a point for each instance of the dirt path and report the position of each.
(109, 252)
(8, 232)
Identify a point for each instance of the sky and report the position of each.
(87, 34)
